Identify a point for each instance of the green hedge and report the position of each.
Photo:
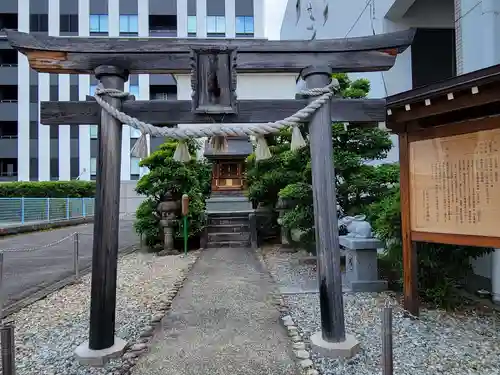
(50, 189)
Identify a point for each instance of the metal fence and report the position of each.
(31, 210)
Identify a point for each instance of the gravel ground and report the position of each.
(48, 331)
(437, 343)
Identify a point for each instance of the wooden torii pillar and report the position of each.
(112, 60)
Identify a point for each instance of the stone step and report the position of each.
(228, 204)
(212, 245)
(227, 220)
(229, 228)
(228, 237)
(229, 214)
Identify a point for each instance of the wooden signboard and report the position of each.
(449, 155)
(455, 184)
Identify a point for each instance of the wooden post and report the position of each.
(76, 255)
(387, 360)
(325, 209)
(8, 349)
(106, 220)
(2, 295)
(410, 277)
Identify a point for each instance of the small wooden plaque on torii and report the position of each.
(213, 80)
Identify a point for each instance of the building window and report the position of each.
(69, 23)
(98, 23)
(216, 25)
(134, 133)
(244, 26)
(134, 90)
(191, 25)
(135, 169)
(129, 25)
(93, 166)
(8, 167)
(94, 130)
(39, 22)
(160, 96)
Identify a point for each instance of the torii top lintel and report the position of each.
(77, 55)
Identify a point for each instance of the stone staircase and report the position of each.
(228, 229)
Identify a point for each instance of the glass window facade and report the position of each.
(93, 166)
(244, 25)
(99, 23)
(192, 25)
(216, 25)
(134, 165)
(129, 24)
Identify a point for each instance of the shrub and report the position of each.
(167, 175)
(440, 267)
(48, 189)
(288, 173)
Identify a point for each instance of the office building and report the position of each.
(31, 151)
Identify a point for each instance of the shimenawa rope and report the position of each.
(218, 132)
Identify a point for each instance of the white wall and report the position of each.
(23, 94)
(129, 199)
(356, 19)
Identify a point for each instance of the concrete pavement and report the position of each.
(222, 322)
(27, 271)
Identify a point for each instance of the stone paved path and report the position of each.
(222, 322)
(26, 272)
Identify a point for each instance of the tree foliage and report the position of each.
(288, 173)
(167, 175)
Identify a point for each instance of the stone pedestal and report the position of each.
(345, 349)
(98, 358)
(361, 264)
(228, 204)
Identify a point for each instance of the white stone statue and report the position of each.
(356, 226)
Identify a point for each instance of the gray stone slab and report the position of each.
(369, 286)
(354, 243)
(222, 321)
(228, 204)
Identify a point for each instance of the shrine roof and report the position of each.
(472, 95)
(239, 147)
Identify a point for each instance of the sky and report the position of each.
(274, 10)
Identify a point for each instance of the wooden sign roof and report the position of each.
(471, 95)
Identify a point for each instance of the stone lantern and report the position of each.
(282, 206)
(167, 208)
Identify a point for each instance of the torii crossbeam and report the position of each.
(209, 61)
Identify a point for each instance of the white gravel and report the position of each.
(48, 331)
(437, 343)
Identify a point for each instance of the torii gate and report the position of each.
(209, 61)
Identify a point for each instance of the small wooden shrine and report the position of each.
(228, 166)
